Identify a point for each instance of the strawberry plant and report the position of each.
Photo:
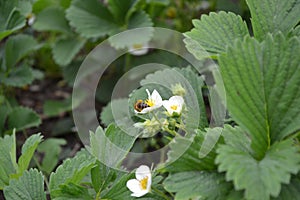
(230, 127)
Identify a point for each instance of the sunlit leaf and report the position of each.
(30, 186)
(8, 164)
(262, 87)
(214, 32)
(28, 150)
(259, 178)
(73, 170)
(271, 16)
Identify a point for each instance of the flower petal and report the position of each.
(149, 96)
(139, 194)
(134, 186)
(142, 172)
(156, 97)
(177, 99)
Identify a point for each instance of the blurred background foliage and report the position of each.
(44, 42)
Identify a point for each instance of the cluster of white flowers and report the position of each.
(173, 106)
(173, 109)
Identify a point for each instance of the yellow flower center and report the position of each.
(174, 107)
(143, 183)
(149, 102)
(137, 46)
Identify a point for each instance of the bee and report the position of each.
(140, 105)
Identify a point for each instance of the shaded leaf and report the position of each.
(18, 77)
(198, 184)
(22, 118)
(184, 153)
(107, 116)
(52, 19)
(51, 149)
(17, 47)
(65, 50)
(90, 18)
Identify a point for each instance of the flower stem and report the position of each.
(156, 118)
(160, 193)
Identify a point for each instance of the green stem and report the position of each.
(161, 194)
(127, 62)
(156, 118)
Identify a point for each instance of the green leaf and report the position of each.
(17, 47)
(118, 190)
(119, 9)
(71, 171)
(11, 18)
(90, 18)
(291, 190)
(55, 107)
(296, 31)
(30, 186)
(213, 33)
(102, 176)
(22, 118)
(50, 149)
(8, 163)
(184, 153)
(259, 178)
(198, 185)
(4, 110)
(18, 77)
(28, 150)
(141, 22)
(112, 146)
(108, 116)
(261, 82)
(271, 16)
(52, 19)
(72, 191)
(65, 50)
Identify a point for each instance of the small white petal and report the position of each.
(178, 99)
(142, 172)
(139, 194)
(149, 96)
(156, 96)
(134, 186)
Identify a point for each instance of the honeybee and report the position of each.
(140, 105)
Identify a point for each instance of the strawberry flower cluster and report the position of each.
(172, 112)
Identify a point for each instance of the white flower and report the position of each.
(153, 102)
(142, 184)
(139, 49)
(174, 104)
(30, 19)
